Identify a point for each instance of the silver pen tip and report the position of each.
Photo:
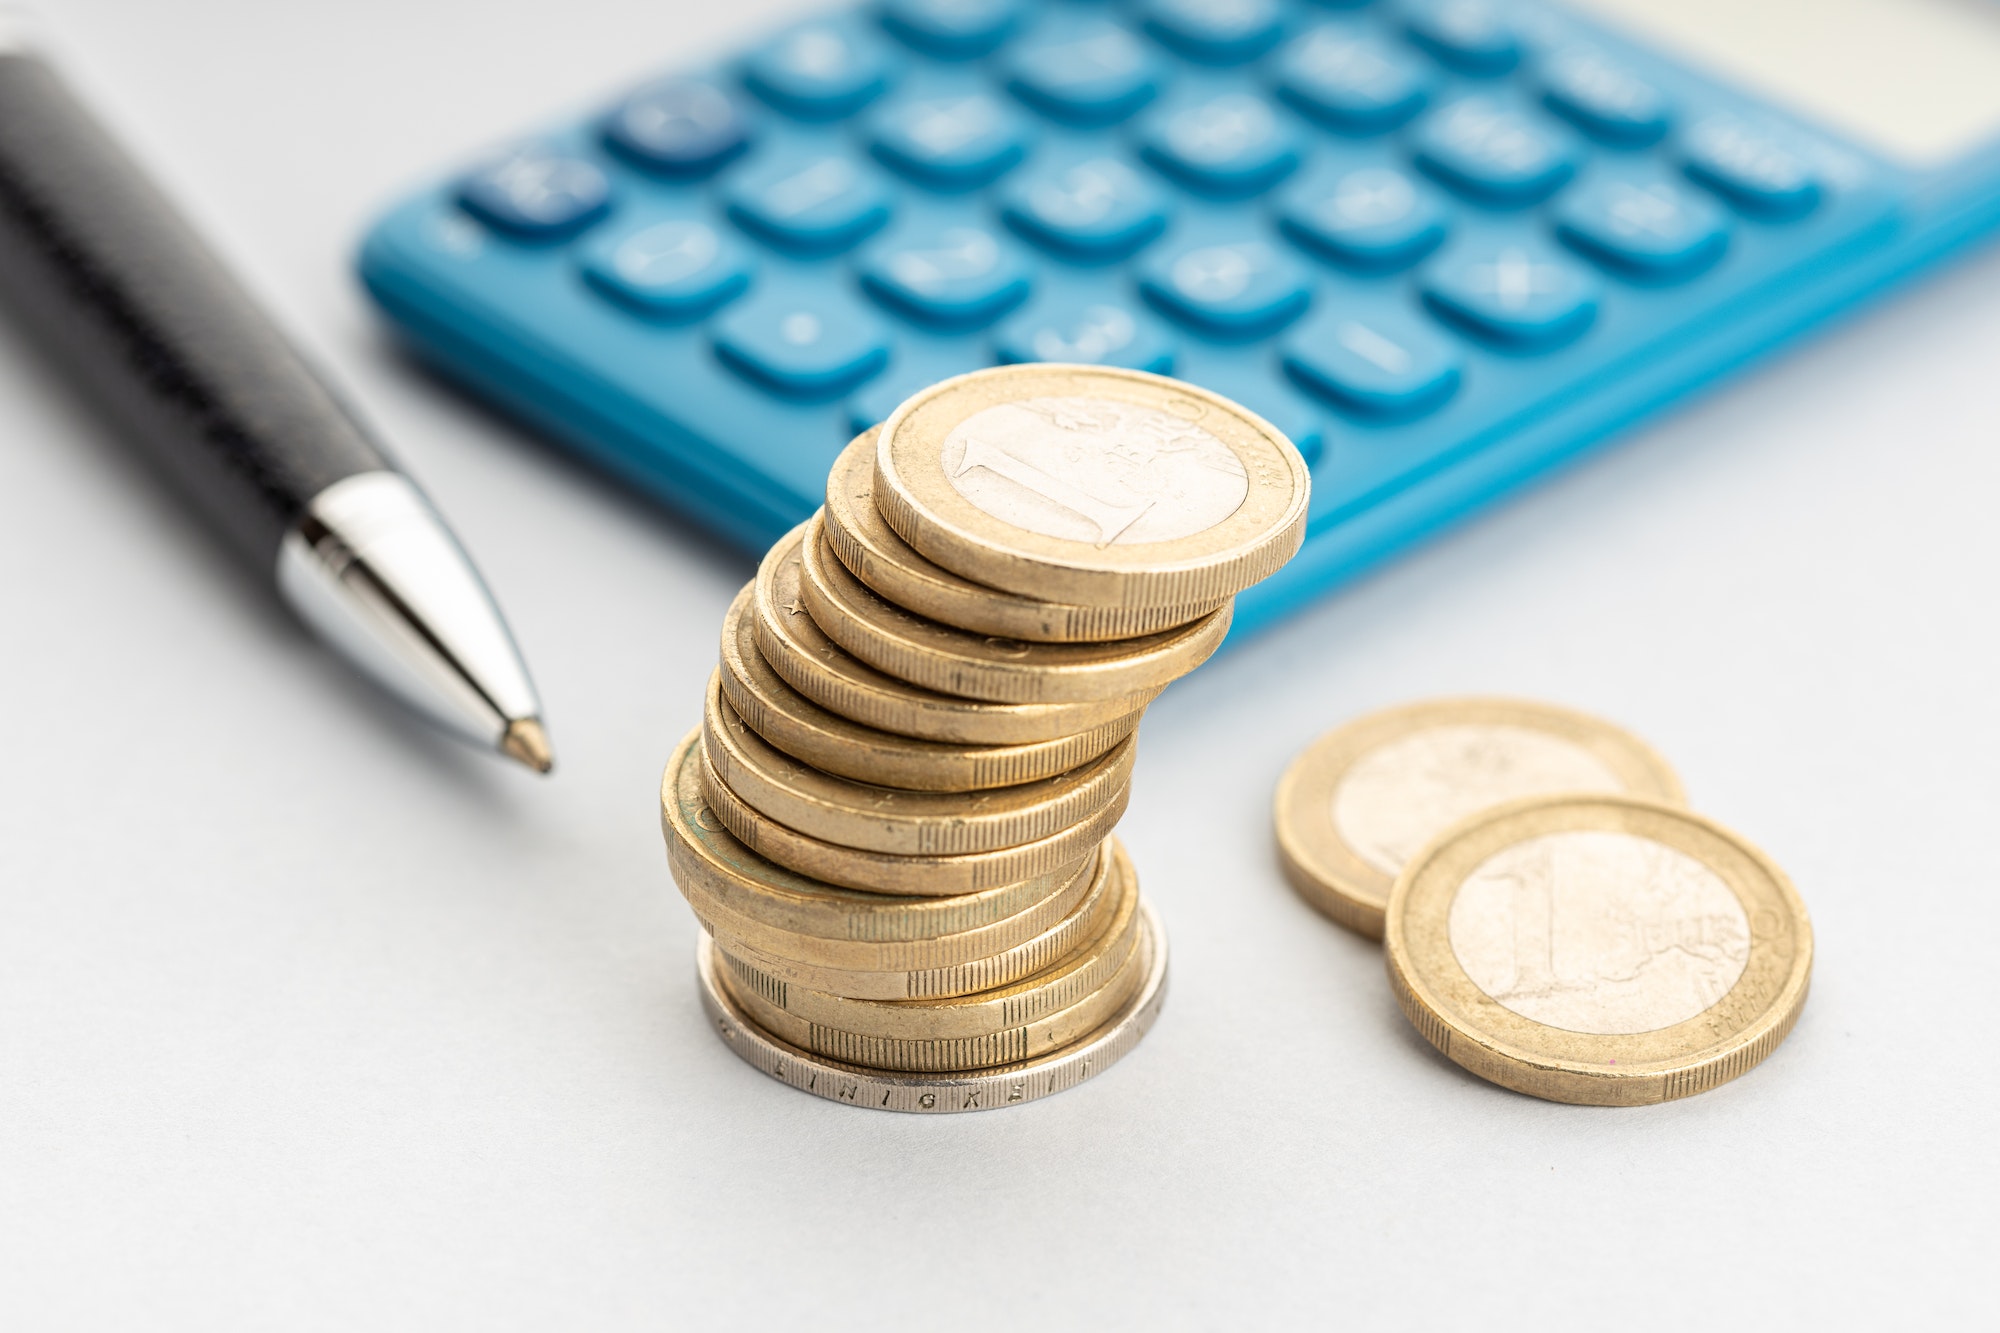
(527, 742)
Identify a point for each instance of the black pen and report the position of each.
(101, 271)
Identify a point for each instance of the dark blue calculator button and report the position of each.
(678, 267)
(954, 276)
(950, 142)
(814, 204)
(1341, 75)
(679, 127)
(1378, 364)
(1091, 72)
(1236, 289)
(1604, 98)
(1652, 229)
(1372, 218)
(1750, 168)
(813, 345)
(1492, 152)
(818, 71)
(1085, 331)
(1523, 295)
(1232, 144)
(952, 29)
(1470, 36)
(1095, 209)
(1216, 32)
(537, 193)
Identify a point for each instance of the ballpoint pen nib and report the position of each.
(526, 741)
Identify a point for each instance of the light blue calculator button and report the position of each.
(1086, 72)
(1750, 168)
(813, 204)
(1649, 228)
(818, 71)
(1604, 98)
(679, 127)
(1373, 218)
(537, 193)
(1520, 294)
(1380, 364)
(1493, 152)
(1232, 144)
(1470, 36)
(957, 276)
(675, 267)
(1339, 74)
(804, 345)
(952, 29)
(1086, 331)
(1215, 32)
(955, 142)
(1238, 289)
(1098, 208)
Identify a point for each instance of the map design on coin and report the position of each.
(1400, 796)
(1599, 932)
(1093, 470)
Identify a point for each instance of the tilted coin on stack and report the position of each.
(894, 822)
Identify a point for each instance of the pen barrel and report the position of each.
(103, 272)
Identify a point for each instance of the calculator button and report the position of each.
(1492, 152)
(537, 193)
(950, 142)
(813, 345)
(1351, 81)
(1237, 290)
(680, 127)
(952, 29)
(1215, 32)
(1096, 209)
(1603, 98)
(1372, 218)
(957, 276)
(1085, 331)
(1376, 364)
(818, 71)
(1471, 36)
(1750, 168)
(815, 204)
(1522, 295)
(680, 267)
(1232, 144)
(1653, 229)
(1088, 73)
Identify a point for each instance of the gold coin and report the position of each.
(870, 549)
(981, 666)
(1604, 950)
(1092, 485)
(886, 872)
(937, 1094)
(826, 740)
(820, 669)
(1362, 799)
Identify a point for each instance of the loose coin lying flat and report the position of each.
(981, 666)
(1091, 485)
(986, 1089)
(826, 740)
(873, 553)
(1360, 801)
(1604, 950)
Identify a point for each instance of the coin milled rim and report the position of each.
(1333, 877)
(1627, 1069)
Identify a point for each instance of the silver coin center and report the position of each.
(1599, 932)
(1398, 797)
(1093, 470)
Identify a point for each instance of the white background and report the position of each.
(310, 1020)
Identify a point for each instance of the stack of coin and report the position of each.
(894, 822)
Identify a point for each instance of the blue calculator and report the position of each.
(1443, 244)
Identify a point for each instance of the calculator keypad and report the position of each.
(678, 268)
(1370, 218)
(815, 204)
(1751, 168)
(807, 345)
(1470, 36)
(960, 141)
(1215, 32)
(1604, 98)
(1231, 145)
(1242, 288)
(1088, 73)
(1493, 153)
(679, 127)
(1086, 331)
(1097, 209)
(952, 29)
(819, 71)
(955, 276)
(1386, 364)
(1523, 294)
(1650, 228)
(1350, 80)
(537, 193)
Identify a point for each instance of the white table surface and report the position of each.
(310, 1020)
